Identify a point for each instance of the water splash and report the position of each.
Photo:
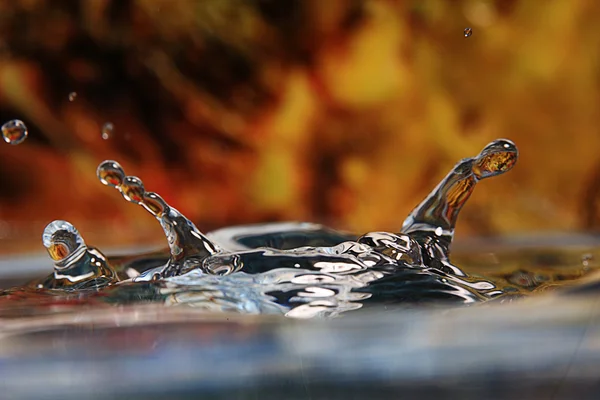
(301, 270)
(14, 132)
(187, 245)
(76, 266)
(433, 221)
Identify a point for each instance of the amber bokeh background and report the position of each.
(342, 112)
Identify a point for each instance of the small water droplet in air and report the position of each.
(133, 189)
(107, 130)
(439, 231)
(110, 173)
(154, 204)
(468, 32)
(72, 96)
(14, 132)
(586, 259)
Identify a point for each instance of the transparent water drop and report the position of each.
(587, 259)
(107, 130)
(110, 173)
(133, 189)
(14, 132)
(468, 32)
(63, 242)
(72, 96)
(154, 204)
(495, 159)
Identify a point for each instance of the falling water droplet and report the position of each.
(72, 96)
(468, 32)
(107, 130)
(14, 132)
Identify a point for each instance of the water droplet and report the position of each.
(62, 241)
(439, 231)
(468, 32)
(14, 132)
(107, 130)
(495, 159)
(133, 189)
(110, 173)
(154, 204)
(72, 96)
(587, 259)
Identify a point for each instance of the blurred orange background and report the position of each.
(342, 112)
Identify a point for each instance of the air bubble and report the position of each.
(468, 32)
(14, 132)
(107, 130)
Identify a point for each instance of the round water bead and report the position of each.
(496, 158)
(154, 204)
(107, 130)
(468, 32)
(133, 189)
(61, 239)
(110, 173)
(14, 132)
